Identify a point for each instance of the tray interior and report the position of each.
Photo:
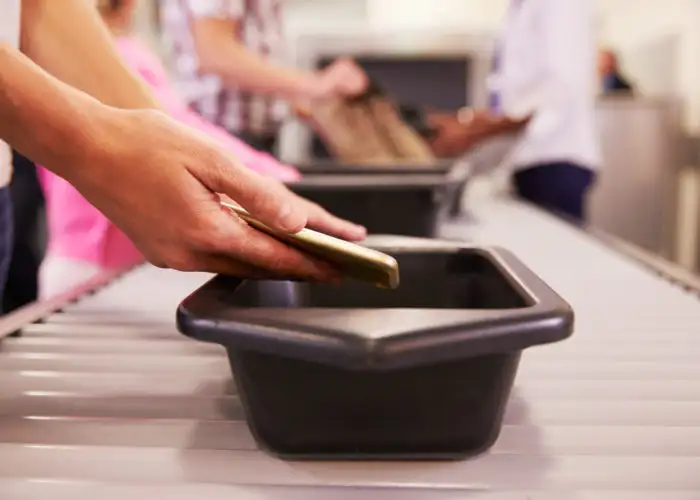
(429, 280)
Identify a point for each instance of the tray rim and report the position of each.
(461, 333)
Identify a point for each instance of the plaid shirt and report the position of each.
(259, 28)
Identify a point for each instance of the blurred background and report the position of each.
(650, 191)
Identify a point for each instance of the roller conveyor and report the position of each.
(107, 400)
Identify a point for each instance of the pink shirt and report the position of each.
(77, 230)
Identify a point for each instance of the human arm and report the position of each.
(220, 53)
(456, 133)
(169, 210)
(69, 40)
(214, 24)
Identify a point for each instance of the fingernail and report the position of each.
(288, 220)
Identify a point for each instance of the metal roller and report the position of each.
(105, 399)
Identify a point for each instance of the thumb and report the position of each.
(264, 198)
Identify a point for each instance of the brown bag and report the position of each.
(368, 131)
(406, 143)
(348, 132)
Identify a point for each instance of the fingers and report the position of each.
(255, 249)
(345, 77)
(221, 264)
(325, 222)
(266, 199)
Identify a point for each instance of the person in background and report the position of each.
(82, 242)
(68, 102)
(611, 77)
(230, 54)
(542, 87)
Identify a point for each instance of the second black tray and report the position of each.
(409, 201)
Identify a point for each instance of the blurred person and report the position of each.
(610, 74)
(82, 242)
(542, 89)
(230, 54)
(68, 102)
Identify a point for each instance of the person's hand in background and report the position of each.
(345, 78)
(451, 137)
(457, 133)
(341, 79)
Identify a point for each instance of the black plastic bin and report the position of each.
(402, 200)
(355, 372)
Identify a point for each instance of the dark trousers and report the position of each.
(5, 237)
(27, 203)
(558, 187)
(266, 143)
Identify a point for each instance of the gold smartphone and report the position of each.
(355, 261)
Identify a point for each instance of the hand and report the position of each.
(346, 77)
(323, 221)
(343, 78)
(158, 181)
(451, 138)
(456, 134)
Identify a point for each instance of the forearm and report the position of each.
(249, 71)
(221, 54)
(68, 39)
(44, 119)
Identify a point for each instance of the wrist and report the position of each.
(90, 143)
(305, 85)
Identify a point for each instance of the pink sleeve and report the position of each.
(150, 68)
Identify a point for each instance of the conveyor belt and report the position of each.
(106, 400)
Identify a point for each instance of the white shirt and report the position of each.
(547, 69)
(9, 34)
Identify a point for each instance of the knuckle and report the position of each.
(179, 259)
(213, 235)
(154, 259)
(288, 261)
(215, 167)
(263, 201)
(204, 239)
(182, 261)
